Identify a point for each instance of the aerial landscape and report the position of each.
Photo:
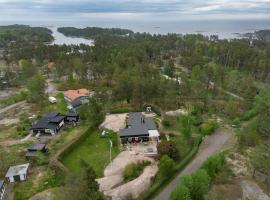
(143, 100)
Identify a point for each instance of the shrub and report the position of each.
(214, 164)
(198, 184)
(41, 159)
(236, 122)
(133, 170)
(180, 193)
(249, 114)
(165, 166)
(209, 127)
(166, 122)
(168, 148)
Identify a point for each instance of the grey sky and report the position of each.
(34, 10)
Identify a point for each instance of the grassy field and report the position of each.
(95, 150)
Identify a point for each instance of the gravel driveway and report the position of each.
(210, 146)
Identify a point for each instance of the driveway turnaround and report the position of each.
(211, 145)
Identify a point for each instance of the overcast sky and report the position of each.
(73, 10)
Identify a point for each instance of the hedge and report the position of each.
(156, 188)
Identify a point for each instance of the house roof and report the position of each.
(36, 147)
(57, 119)
(74, 94)
(76, 103)
(44, 123)
(1, 183)
(48, 121)
(72, 115)
(51, 115)
(138, 125)
(17, 170)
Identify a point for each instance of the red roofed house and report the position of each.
(78, 97)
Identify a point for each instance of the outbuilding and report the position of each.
(2, 189)
(17, 173)
(72, 118)
(33, 149)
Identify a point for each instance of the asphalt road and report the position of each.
(210, 146)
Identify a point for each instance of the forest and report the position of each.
(205, 75)
(24, 34)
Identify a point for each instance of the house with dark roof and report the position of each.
(139, 129)
(34, 148)
(51, 123)
(2, 189)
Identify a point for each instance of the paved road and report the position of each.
(210, 146)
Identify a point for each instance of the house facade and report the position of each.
(17, 173)
(2, 189)
(139, 129)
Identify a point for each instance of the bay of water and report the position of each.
(225, 29)
(61, 39)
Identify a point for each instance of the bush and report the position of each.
(166, 122)
(41, 159)
(249, 114)
(165, 166)
(180, 193)
(214, 164)
(236, 122)
(198, 184)
(197, 109)
(209, 127)
(168, 148)
(133, 170)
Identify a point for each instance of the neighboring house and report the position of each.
(51, 123)
(76, 98)
(17, 173)
(72, 118)
(2, 189)
(33, 149)
(139, 129)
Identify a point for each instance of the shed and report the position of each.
(31, 151)
(72, 117)
(17, 173)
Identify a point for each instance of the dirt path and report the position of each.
(17, 141)
(210, 146)
(50, 90)
(5, 109)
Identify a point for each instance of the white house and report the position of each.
(2, 189)
(17, 173)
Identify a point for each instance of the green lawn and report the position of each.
(95, 150)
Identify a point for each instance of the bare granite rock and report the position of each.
(251, 191)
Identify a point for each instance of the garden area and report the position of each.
(94, 150)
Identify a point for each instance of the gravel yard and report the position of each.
(110, 184)
(114, 122)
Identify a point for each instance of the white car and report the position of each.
(52, 99)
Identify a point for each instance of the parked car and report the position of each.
(52, 99)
